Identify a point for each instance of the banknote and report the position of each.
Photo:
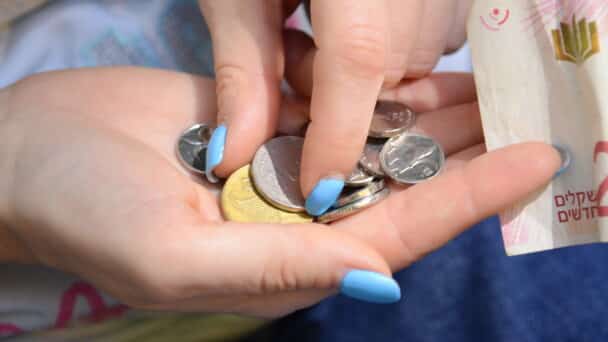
(541, 69)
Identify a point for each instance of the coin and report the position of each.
(192, 146)
(411, 158)
(353, 208)
(241, 203)
(350, 195)
(275, 171)
(391, 118)
(359, 177)
(370, 159)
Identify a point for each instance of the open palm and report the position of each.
(96, 189)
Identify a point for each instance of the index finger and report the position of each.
(348, 72)
(422, 218)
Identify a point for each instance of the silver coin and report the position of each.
(192, 147)
(411, 158)
(370, 159)
(391, 118)
(354, 207)
(275, 171)
(350, 195)
(359, 177)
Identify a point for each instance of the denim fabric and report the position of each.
(470, 290)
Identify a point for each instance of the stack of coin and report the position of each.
(392, 151)
(268, 190)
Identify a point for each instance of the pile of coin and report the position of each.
(268, 190)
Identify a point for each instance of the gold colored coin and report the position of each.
(241, 203)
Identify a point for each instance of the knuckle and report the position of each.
(362, 50)
(409, 252)
(280, 272)
(229, 77)
(290, 272)
(277, 277)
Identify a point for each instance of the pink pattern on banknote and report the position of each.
(545, 12)
(497, 17)
(514, 232)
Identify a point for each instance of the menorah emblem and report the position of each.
(577, 42)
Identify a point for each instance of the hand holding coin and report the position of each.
(97, 190)
(359, 48)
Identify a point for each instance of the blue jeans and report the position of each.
(469, 290)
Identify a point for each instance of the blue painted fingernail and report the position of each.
(324, 195)
(566, 160)
(215, 150)
(370, 287)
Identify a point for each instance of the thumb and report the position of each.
(260, 260)
(248, 61)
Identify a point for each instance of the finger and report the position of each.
(418, 220)
(437, 90)
(270, 259)
(462, 158)
(263, 306)
(405, 18)
(299, 52)
(248, 67)
(293, 115)
(458, 33)
(433, 35)
(455, 128)
(348, 72)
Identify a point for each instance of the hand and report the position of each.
(361, 46)
(90, 183)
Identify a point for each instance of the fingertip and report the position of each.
(324, 195)
(252, 119)
(542, 159)
(565, 159)
(215, 152)
(371, 287)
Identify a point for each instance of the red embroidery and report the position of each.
(7, 329)
(99, 310)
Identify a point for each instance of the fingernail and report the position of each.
(324, 195)
(370, 287)
(565, 157)
(215, 152)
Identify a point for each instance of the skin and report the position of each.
(359, 48)
(89, 184)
